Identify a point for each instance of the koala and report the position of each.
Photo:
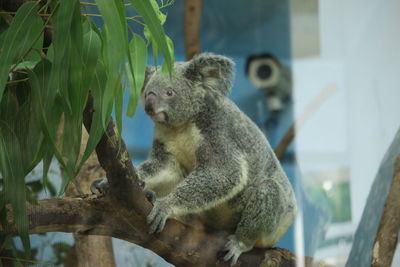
(208, 159)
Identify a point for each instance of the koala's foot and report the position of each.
(99, 185)
(234, 249)
(158, 216)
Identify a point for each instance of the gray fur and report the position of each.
(210, 160)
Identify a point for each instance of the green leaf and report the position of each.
(77, 92)
(154, 46)
(115, 41)
(61, 42)
(91, 53)
(72, 131)
(118, 107)
(150, 14)
(96, 129)
(138, 55)
(47, 106)
(164, 68)
(31, 196)
(47, 158)
(16, 41)
(24, 65)
(3, 25)
(13, 176)
(28, 131)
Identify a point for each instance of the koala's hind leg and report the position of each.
(260, 217)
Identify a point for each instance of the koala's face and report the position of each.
(177, 100)
(170, 101)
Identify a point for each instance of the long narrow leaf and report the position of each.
(115, 38)
(138, 55)
(14, 184)
(150, 16)
(96, 129)
(118, 107)
(15, 42)
(61, 41)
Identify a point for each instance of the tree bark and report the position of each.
(178, 244)
(386, 239)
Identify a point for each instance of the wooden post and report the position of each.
(192, 28)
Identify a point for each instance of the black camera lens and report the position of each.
(264, 71)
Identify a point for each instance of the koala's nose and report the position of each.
(150, 102)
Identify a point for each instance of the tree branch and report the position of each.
(178, 244)
(386, 239)
(116, 161)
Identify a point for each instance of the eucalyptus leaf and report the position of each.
(118, 107)
(164, 68)
(115, 43)
(149, 13)
(61, 42)
(138, 55)
(24, 65)
(96, 129)
(18, 39)
(13, 176)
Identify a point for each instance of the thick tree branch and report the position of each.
(386, 239)
(115, 160)
(180, 245)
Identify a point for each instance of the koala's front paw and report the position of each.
(158, 216)
(234, 249)
(100, 185)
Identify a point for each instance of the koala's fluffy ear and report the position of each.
(149, 72)
(213, 71)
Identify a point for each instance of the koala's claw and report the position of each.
(99, 185)
(142, 183)
(157, 218)
(150, 195)
(234, 250)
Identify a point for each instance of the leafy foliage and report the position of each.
(43, 90)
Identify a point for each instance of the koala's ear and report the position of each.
(149, 72)
(213, 71)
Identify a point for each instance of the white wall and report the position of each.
(358, 52)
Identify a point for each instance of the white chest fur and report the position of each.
(181, 142)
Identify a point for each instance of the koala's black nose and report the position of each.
(150, 102)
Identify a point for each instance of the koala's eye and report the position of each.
(169, 93)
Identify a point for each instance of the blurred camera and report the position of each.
(267, 74)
